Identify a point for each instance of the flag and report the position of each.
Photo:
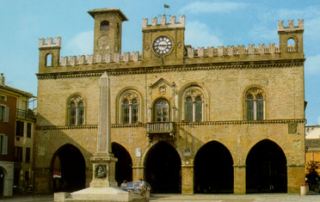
(166, 6)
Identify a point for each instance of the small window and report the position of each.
(104, 25)
(4, 113)
(255, 104)
(188, 109)
(49, 60)
(129, 107)
(193, 104)
(29, 129)
(161, 111)
(76, 111)
(18, 154)
(3, 144)
(198, 109)
(19, 128)
(28, 155)
(3, 98)
(291, 42)
(125, 111)
(291, 45)
(134, 111)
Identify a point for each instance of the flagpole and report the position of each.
(165, 6)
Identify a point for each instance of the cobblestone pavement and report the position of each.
(196, 197)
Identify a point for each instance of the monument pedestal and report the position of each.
(103, 166)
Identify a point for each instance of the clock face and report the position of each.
(162, 45)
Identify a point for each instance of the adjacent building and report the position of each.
(16, 139)
(227, 119)
(312, 147)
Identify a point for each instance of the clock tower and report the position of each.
(163, 42)
(107, 30)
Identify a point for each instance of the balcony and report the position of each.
(25, 114)
(161, 127)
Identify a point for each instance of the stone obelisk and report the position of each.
(103, 161)
(103, 187)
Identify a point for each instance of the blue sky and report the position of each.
(209, 23)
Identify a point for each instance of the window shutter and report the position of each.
(5, 145)
(6, 114)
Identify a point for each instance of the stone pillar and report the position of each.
(137, 173)
(239, 179)
(296, 177)
(103, 161)
(187, 178)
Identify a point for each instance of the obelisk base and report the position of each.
(103, 168)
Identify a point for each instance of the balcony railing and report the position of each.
(25, 114)
(161, 127)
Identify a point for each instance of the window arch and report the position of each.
(193, 100)
(75, 111)
(161, 110)
(255, 104)
(129, 107)
(291, 45)
(49, 60)
(104, 25)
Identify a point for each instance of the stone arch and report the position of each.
(123, 167)
(162, 168)
(48, 60)
(266, 168)
(68, 169)
(104, 25)
(213, 169)
(123, 92)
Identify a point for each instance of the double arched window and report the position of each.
(75, 111)
(193, 105)
(255, 104)
(129, 104)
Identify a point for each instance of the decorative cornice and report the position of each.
(175, 68)
(53, 127)
(205, 123)
(241, 122)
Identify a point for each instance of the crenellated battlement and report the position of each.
(239, 50)
(162, 21)
(97, 59)
(290, 25)
(50, 42)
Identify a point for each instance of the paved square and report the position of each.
(197, 197)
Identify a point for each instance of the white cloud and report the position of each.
(199, 34)
(312, 65)
(212, 7)
(80, 44)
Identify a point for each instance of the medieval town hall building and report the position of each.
(185, 119)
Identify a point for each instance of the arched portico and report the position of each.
(123, 170)
(213, 169)
(68, 169)
(266, 169)
(163, 168)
